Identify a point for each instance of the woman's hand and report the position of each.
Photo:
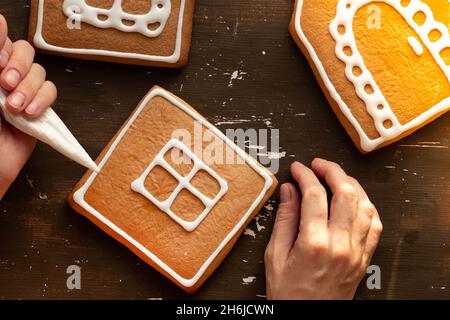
(29, 93)
(315, 256)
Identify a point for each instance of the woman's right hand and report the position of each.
(311, 255)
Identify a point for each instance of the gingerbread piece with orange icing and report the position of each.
(383, 65)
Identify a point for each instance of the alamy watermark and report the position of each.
(74, 18)
(263, 145)
(73, 281)
(374, 19)
(373, 281)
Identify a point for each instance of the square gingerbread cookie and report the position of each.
(383, 65)
(144, 32)
(173, 189)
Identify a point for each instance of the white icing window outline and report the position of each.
(79, 195)
(40, 42)
(159, 13)
(183, 183)
(366, 143)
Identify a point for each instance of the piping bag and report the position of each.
(49, 129)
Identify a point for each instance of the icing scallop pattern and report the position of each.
(117, 18)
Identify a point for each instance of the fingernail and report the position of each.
(32, 108)
(12, 77)
(320, 161)
(16, 99)
(4, 58)
(298, 164)
(285, 193)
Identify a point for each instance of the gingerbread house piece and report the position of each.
(383, 65)
(145, 32)
(181, 217)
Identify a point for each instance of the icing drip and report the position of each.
(79, 196)
(415, 45)
(115, 17)
(51, 130)
(376, 103)
(184, 182)
(114, 22)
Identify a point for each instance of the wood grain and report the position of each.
(409, 181)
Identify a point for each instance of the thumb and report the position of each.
(285, 230)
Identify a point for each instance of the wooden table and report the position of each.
(409, 182)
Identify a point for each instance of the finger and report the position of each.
(363, 221)
(345, 199)
(285, 230)
(3, 38)
(3, 31)
(44, 98)
(18, 65)
(25, 92)
(376, 228)
(5, 53)
(314, 206)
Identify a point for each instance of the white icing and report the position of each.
(346, 10)
(49, 129)
(41, 43)
(115, 16)
(415, 45)
(79, 196)
(184, 183)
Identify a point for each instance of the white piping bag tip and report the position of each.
(83, 159)
(93, 166)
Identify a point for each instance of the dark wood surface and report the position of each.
(409, 181)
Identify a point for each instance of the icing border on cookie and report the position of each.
(397, 129)
(40, 42)
(183, 183)
(115, 16)
(80, 193)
